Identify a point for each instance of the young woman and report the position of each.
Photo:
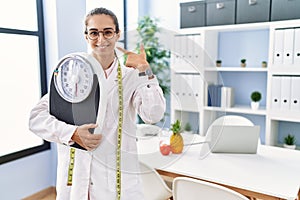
(95, 170)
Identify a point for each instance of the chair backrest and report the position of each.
(154, 186)
(193, 189)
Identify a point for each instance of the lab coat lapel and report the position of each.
(112, 80)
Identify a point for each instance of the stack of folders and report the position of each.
(285, 93)
(214, 95)
(227, 97)
(220, 96)
(186, 91)
(286, 47)
(186, 52)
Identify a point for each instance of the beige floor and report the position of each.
(49, 197)
(46, 194)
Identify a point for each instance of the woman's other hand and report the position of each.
(85, 138)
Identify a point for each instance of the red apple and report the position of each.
(165, 149)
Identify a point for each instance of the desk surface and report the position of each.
(272, 171)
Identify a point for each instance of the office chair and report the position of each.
(193, 189)
(154, 186)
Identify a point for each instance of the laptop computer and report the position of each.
(234, 139)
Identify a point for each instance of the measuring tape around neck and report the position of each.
(119, 140)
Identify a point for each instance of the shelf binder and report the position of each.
(214, 95)
(177, 52)
(188, 87)
(297, 48)
(183, 50)
(278, 47)
(176, 90)
(288, 46)
(197, 86)
(227, 97)
(186, 92)
(198, 51)
(295, 93)
(275, 92)
(190, 50)
(285, 93)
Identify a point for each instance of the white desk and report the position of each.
(272, 173)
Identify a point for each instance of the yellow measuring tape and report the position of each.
(119, 140)
(71, 166)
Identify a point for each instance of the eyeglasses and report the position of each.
(107, 34)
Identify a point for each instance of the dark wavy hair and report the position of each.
(100, 11)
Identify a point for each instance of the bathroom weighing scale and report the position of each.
(77, 91)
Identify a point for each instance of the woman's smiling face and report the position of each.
(101, 46)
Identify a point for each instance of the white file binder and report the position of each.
(189, 85)
(197, 86)
(285, 93)
(187, 53)
(192, 102)
(198, 51)
(183, 98)
(295, 93)
(183, 50)
(177, 54)
(288, 46)
(227, 97)
(297, 48)
(174, 52)
(278, 47)
(190, 50)
(275, 92)
(176, 91)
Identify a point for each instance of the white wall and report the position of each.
(167, 11)
(63, 34)
(25, 176)
(64, 28)
(70, 26)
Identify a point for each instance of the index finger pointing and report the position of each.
(142, 49)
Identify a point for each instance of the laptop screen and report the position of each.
(234, 139)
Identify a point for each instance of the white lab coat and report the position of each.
(94, 173)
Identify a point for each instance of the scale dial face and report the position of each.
(74, 79)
